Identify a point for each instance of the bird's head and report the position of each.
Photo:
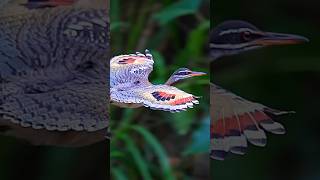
(183, 73)
(233, 37)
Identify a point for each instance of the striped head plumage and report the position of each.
(233, 37)
(182, 73)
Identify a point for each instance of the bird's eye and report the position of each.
(184, 73)
(246, 35)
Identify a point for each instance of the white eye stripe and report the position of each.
(183, 73)
(230, 31)
(229, 46)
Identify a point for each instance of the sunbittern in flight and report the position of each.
(234, 120)
(130, 87)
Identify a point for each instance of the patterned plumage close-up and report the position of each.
(54, 65)
(234, 120)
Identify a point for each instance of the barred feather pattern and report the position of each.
(128, 73)
(234, 121)
(3, 3)
(54, 66)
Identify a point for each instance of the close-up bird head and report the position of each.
(235, 36)
(183, 73)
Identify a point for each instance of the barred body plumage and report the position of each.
(54, 65)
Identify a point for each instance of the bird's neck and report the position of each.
(216, 55)
(172, 80)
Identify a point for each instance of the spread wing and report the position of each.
(129, 68)
(158, 97)
(234, 121)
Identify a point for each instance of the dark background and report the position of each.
(19, 160)
(286, 78)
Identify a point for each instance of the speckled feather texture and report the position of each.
(125, 70)
(234, 121)
(54, 73)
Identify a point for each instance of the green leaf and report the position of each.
(182, 121)
(118, 25)
(159, 151)
(157, 38)
(118, 174)
(159, 68)
(114, 10)
(137, 27)
(137, 157)
(198, 38)
(196, 41)
(175, 10)
(115, 154)
(200, 139)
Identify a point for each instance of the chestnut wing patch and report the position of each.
(163, 96)
(127, 61)
(182, 101)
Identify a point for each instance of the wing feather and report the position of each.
(234, 121)
(157, 97)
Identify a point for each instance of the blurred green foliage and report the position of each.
(177, 9)
(21, 160)
(149, 144)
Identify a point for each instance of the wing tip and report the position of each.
(218, 154)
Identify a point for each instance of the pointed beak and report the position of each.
(270, 39)
(195, 73)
